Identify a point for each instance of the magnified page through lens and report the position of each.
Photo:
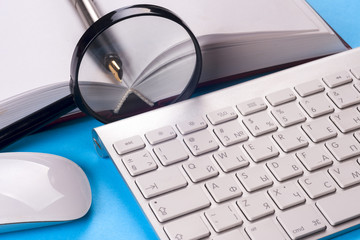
(158, 60)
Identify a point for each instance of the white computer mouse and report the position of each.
(38, 189)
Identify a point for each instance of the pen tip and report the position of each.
(115, 67)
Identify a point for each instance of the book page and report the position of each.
(206, 17)
(38, 38)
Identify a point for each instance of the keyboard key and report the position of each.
(302, 221)
(315, 157)
(344, 148)
(337, 79)
(261, 149)
(254, 178)
(347, 174)
(224, 188)
(284, 168)
(290, 139)
(200, 169)
(230, 133)
(357, 86)
(159, 182)
(231, 159)
(192, 125)
(342, 207)
(181, 229)
(317, 185)
(357, 135)
(230, 235)
(160, 135)
(344, 96)
(288, 114)
(200, 142)
(259, 124)
(309, 88)
(223, 217)
(128, 145)
(170, 152)
(179, 203)
(139, 162)
(251, 106)
(280, 97)
(287, 195)
(222, 115)
(256, 206)
(319, 130)
(265, 229)
(346, 120)
(316, 105)
(356, 72)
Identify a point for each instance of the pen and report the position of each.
(105, 53)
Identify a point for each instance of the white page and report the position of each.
(229, 16)
(38, 38)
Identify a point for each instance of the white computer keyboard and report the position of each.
(271, 158)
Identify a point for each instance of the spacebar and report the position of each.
(179, 203)
(341, 207)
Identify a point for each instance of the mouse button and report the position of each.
(14, 211)
(25, 188)
(70, 180)
(29, 193)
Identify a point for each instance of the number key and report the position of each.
(200, 142)
(316, 105)
(344, 96)
(230, 133)
(288, 114)
(170, 152)
(259, 124)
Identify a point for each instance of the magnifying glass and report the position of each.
(129, 61)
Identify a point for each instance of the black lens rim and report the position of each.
(107, 21)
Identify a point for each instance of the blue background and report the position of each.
(114, 213)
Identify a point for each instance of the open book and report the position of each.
(236, 37)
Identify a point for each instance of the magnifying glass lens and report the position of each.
(136, 65)
(130, 60)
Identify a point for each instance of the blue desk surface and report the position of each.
(114, 213)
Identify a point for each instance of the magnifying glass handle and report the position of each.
(87, 11)
(35, 121)
(106, 54)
